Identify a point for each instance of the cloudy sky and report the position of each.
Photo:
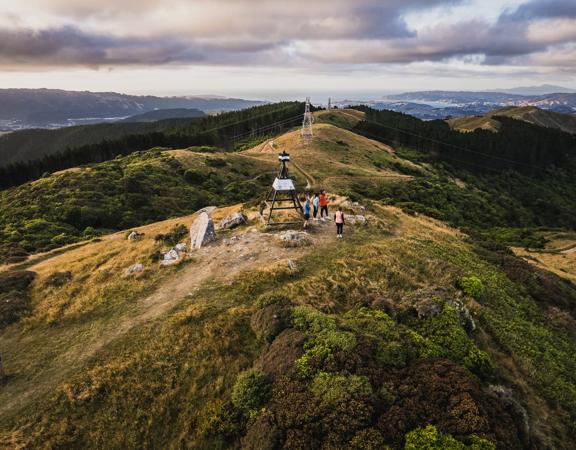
(272, 48)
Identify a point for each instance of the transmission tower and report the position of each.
(329, 104)
(306, 132)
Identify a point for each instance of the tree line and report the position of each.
(223, 130)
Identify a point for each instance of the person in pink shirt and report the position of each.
(340, 222)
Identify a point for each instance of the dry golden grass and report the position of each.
(346, 118)
(562, 264)
(334, 158)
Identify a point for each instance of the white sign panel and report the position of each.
(283, 185)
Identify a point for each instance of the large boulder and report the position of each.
(202, 231)
(233, 221)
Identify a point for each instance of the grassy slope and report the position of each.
(128, 191)
(167, 381)
(531, 114)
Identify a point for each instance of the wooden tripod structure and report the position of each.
(283, 195)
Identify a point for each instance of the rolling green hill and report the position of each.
(408, 333)
(530, 114)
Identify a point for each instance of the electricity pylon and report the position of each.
(307, 134)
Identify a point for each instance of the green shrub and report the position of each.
(194, 176)
(478, 362)
(216, 162)
(334, 388)
(176, 234)
(429, 438)
(324, 337)
(89, 232)
(251, 390)
(472, 286)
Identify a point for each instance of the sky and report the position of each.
(273, 49)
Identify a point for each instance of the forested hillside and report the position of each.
(226, 130)
(27, 145)
(519, 146)
(521, 176)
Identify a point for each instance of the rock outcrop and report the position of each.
(356, 220)
(202, 231)
(356, 207)
(233, 221)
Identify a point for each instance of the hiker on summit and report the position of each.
(316, 203)
(306, 213)
(323, 204)
(340, 222)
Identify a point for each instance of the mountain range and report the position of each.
(430, 105)
(52, 108)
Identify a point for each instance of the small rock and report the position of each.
(171, 255)
(59, 279)
(181, 248)
(135, 268)
(293, 238)
(292, 265)
(170, 258)
(233, 221)
(135, 235)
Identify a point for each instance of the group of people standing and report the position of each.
(319, 204)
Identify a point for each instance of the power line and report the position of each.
(243, 121)
(266, 127)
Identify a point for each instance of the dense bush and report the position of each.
(429, 438)
(250, 391)
(472, 286)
